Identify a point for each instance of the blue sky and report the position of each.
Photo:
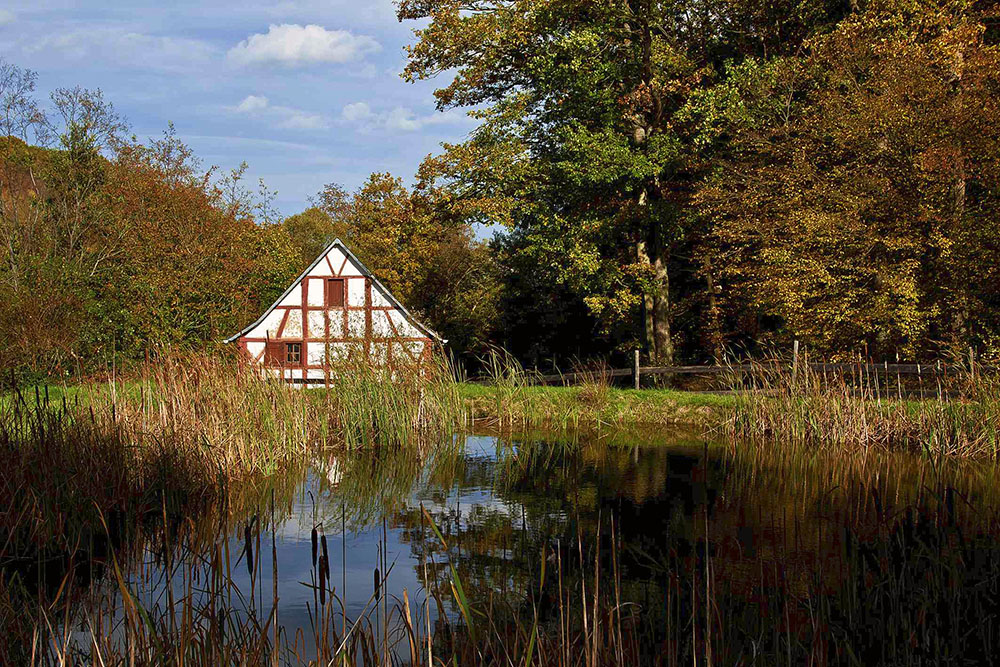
(307, 92)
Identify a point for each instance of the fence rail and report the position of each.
(936, 369)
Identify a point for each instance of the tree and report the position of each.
(311, 231)
(56, 241)
(855, 196)
(579, 145)
(111, 246)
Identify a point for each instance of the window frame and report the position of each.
(293, 347)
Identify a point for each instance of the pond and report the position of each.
(575, 550)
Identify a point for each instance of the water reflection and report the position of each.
(693, 551)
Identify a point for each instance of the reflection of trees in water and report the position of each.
(557, 503)
(808, 558)
(800, 557)
(359, 486)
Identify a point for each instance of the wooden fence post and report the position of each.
(795, 359)
(635, 368)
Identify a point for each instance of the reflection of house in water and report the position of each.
(330, 467)
(336, 310)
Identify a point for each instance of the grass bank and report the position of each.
(590, 406)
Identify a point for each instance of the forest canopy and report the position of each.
(696, 178)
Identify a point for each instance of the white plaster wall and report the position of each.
(356, 292)
(336, 258)
(339, 350)
(293, 326)
(255, 348)
(269, 327)
(356, 323)
(404, 351)
(317, 325)
(350, 269)
(379, 352)
(337, 323)
(378, 300)
(316, 353)
(380, 325)
(322, 270)
(316, 295)
(294, 297)
(403, 326)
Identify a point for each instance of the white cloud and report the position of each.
(291, 44)
(252, 103)
(285, 117)
(397, 119)
(6, 17)
(355, 112)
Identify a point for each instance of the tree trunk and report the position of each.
(960, 285)
(648, 341)
(713, 325)
(664, 345)
(656, 300)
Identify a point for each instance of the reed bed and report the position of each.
(142, 528)
(865, 411)
(183, 429)
(912, 585)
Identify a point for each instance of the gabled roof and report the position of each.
(364, 271)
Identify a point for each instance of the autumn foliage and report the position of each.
(114, 248)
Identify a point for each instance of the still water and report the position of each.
(498, 504)
(738, 555)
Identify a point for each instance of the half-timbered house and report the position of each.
(337, 309)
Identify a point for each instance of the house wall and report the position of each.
(367, 323)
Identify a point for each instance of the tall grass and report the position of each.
(183, 429)
(400, 406)
(865, 410)
(508, 382)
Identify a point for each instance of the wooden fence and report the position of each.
(859, 369)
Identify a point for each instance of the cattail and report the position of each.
(248, 548)
(322, 580)
(326, 556)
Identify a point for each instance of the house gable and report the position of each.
(334, 305)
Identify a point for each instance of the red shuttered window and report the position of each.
(280, 353)
(335, 293)
(274, 353)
